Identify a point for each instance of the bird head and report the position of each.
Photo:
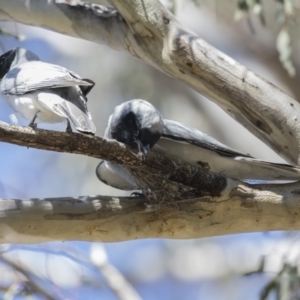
(15, 57)
(137, 124)
(6, 61)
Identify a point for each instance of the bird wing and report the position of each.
(81, 121)
(108, 174)
(196, 148)
(36, 75)
(177, 131)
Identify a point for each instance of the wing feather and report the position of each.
(81, 121)
(178, 131)
(110, 176)
(197, 148)
(36, 75)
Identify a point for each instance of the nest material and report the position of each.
(165, 179)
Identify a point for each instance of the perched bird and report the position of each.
(139, 125)
(43, 92)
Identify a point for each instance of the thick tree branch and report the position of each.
(111, 219)
(95, 23)
(262, 108)
(148, 31)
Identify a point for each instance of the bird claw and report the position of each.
(136, 194)
(32, 125)
(69, 128)
(141, 156)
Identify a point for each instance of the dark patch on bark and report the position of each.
(296, 192)
(166, 20)
(203, 165)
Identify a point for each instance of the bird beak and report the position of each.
(144, 149)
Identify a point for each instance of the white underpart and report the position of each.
(40, 103)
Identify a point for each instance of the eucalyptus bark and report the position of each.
(111, 219)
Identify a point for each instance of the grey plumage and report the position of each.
(188, 144)
(43, 92)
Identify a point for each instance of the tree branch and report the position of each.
(147, 30)
(226, 206)
(159, 170)
(255, 103)
(32, 280)
(87, 21)
(111, 219)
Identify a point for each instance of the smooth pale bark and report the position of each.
(111, 219)
(148, 31)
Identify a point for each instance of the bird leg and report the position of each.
(69, 128)
(32, 123)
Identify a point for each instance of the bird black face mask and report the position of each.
(136, 124)
(5, 62)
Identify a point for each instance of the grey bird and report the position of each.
(45, 93)
(140, 125)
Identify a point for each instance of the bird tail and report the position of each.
(78, 116)
(255, 170)
(81, 121)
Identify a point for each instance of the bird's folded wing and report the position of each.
(36, 75)
(196, 148)
(177, 131)
(110, 176)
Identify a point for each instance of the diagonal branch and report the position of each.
(95, 23)
(34, 282)
(258, 105)
(147, 30)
